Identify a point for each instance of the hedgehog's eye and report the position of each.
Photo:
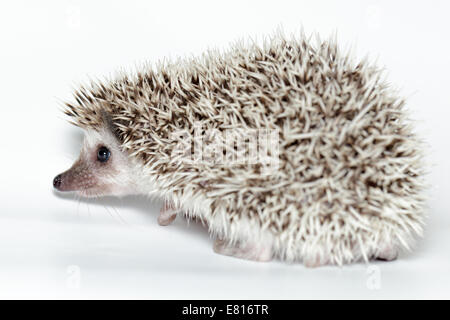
(103, 154)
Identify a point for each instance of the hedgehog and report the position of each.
(286, 149)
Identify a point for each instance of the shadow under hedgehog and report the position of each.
(341, 179)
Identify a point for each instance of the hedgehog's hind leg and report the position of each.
(314, 261)
(167, 214)
(249, 250)
(387, 253)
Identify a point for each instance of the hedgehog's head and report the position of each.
(102, 168)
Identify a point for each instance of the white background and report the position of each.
(58, 247)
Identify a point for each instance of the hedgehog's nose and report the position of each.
(57, 181)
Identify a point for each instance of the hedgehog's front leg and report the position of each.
(249, 250)
(167, 214)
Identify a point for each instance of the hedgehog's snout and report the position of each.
(78, 177)
(57, 181)
(62, 183)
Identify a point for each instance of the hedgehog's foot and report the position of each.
(387, 253)
(248, 251)
(167, 214)
(314, 261)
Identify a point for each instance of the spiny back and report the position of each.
(344, 143)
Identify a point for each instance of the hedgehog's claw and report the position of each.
(167, 214)
(247, 251)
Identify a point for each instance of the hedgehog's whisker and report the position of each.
(120, 217)
(96, 197)
(121, 220)
(89, 210)
(78, 204)
(109, 212)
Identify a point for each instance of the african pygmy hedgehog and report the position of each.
(284, 149)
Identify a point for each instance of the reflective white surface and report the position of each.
(54, 246)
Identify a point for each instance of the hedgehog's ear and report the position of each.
(109, 124)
